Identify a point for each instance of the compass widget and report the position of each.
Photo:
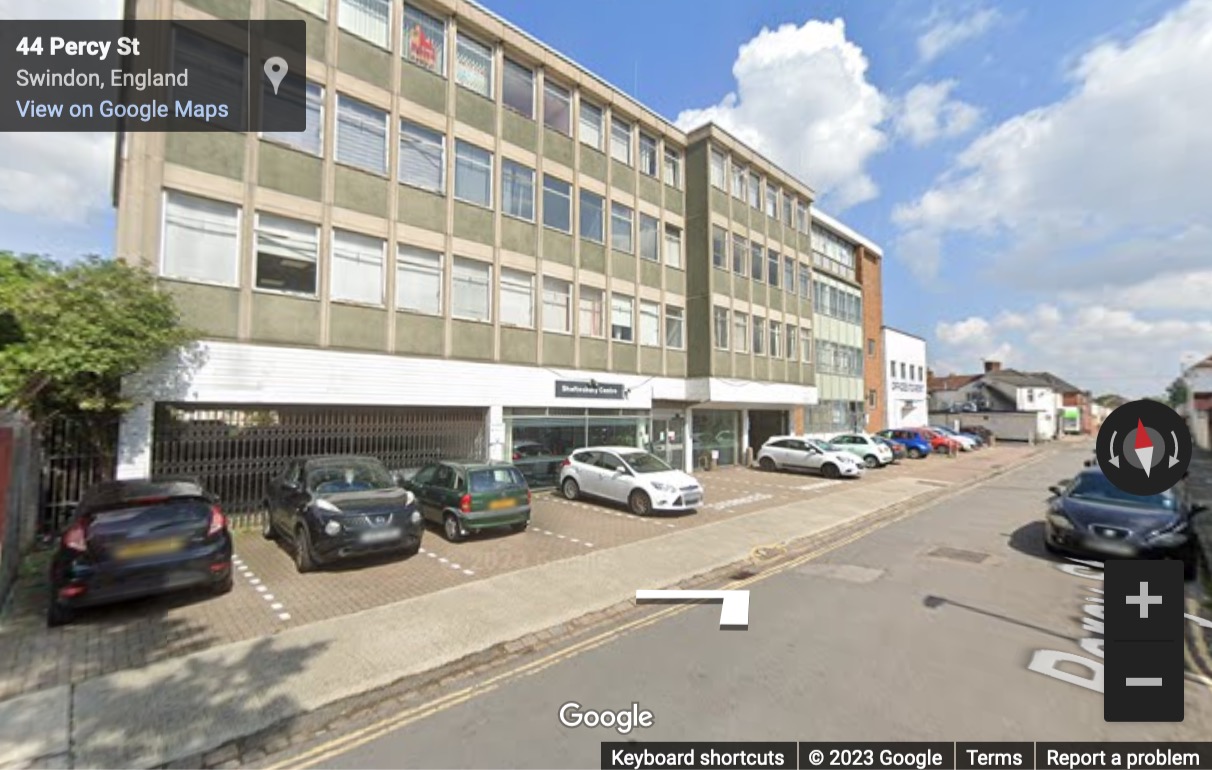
(1144, 447)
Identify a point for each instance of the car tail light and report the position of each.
(517, 456)
(528, 497)
(217, 521)
(566, 463)
(75, 538)
(465, 504)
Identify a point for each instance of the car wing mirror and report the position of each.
(1055, 490)
(1199, 508)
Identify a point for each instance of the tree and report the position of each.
(70, 333)
(1176, 393)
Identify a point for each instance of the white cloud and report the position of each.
(61, 177)
(944, 34)
(802, 99)
(928, 112)
(1095, 187)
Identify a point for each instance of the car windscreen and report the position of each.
(642, 462)
(495, 479)
(345, 477)
(1096, 488)
(817, 445)
(148, 517)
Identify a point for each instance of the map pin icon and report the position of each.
(275, 70)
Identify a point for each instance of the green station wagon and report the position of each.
(466, 497)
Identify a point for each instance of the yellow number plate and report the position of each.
(506, 503)
(152, 548)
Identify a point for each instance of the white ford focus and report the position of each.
(644, 482)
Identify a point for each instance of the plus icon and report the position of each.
(1144, 599)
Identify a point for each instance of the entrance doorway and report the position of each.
(668, 438)
(764, 423)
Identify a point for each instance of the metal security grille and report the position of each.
(75, 456)
(234, 451)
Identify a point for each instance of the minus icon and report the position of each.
(1143, 681)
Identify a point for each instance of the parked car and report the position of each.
(467, 497)
(804, 454)
(1089, 516)
(984, 433)
(966, 443)
(938, 442)
(339, 506)
(916, 446)
(643, 481)
(135, 538)
(898, 452)
(863, 446)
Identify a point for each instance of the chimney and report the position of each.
(993, 366)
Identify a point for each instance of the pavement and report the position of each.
(924, 630)
(187, 706)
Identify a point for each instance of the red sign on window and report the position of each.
(421, 49)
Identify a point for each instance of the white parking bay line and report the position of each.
(259, 586)
(756, 497)
(607, 511)
(817, 485)
(549, 533)
(447, 562)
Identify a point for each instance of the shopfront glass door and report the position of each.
(668, 440)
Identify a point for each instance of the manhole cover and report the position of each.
(958, 554)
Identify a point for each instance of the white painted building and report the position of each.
(1198, 411)
(905, 395)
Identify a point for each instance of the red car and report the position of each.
(938, 442)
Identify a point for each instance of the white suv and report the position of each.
(805, 454)
(643, 481)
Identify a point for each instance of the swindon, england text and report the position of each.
(153, 110)
(139, 81)
(58, 46)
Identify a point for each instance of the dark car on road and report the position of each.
(341, 506)
(899, 452)
(1089, 516)
(466, 497)
(136, 538)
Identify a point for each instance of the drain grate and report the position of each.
(958, 554)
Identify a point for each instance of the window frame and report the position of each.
(671, 168)
(556, 92)
(548, 292)
(567, 197)
(332, 265)
(461, 143)
(418, 140)
(406, 46)
(721, 313)
(740, 331)
(292, 139)
(615, 209)
(458, 261)
(259, 229)
(672, 246)
(512, 170)
(337, 144)
(615, 142)
(512, 65)
(483, 49)
(675, 318)
(602, 215)
(342, 22)
(713, 155)
(583, 106)
(515, 279)
(722, 253)
(758, 341)
(596, 299)
(237, 228)
(654, 156)
(408, 254)
(655, 228)
(651, 311)
(631, 310)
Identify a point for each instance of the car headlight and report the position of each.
(415, 518)
(333, 527)
(325, 505)
(1060, 520)
(1175, 534)
(661, 486)
(409, 498)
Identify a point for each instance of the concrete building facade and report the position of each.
(905, 394)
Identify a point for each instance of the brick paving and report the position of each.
(270, 595)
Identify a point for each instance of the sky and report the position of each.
(1035, 172)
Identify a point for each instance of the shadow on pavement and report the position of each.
(1029, 539)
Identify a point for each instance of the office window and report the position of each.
(805, 281)
(473, 174)
(311, 139)
(718, 176)
(719, 247)
(675, 327)
(591, 125)
(773, 265)
(622, 318)
(473, 65)
(757, 264)
(650, 323)
(357, 268)
(740, 254)
(422, 157)
(648, 154)
(740, 183)
(620, 140)
(557, 305)
(418, 280)
(788, 216)
(673, 246)
(517, 298)
(287, 254)
(871, 397)
(621, 228)
(805, 345)
(314, 7)
(892, 368)
(903, 370)
(755, 192)
(557, 204)
(740, 333)
(789, 274)
(424, 40)
(650, 238)
(792, 352)
(201, 240)
(871, 349)
(772, 201)
(720, 317)
(361, 135)
(776, 339)
(517, 190)
(471, 289)
(801, 217)
(557, 108)
(593, 214)
(368, 19)
(759, 336)
(517, 88)
(673, 168)
(592, 314)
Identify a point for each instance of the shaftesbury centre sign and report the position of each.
(575, 389)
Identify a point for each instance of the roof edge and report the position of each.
(846, 231)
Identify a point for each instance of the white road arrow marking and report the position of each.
(734, 608)
(1114, 457)
(1174, 457)
(1199, 621)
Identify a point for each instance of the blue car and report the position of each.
(915, 446)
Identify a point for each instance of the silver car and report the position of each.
(799, 453)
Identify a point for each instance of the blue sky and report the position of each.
(1024, 165)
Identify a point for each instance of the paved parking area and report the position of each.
(270, 595)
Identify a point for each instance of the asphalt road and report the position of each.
(877, 640)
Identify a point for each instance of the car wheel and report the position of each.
(871, 461)
(830, 471)
(639, 502)
(305, 558)
(570, 488)
(59, 615)
(767, 464)
(915, 454)
(520, 526)
(451, 528)
(267, 529)
(225, 585)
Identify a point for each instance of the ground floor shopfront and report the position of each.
(232, 413)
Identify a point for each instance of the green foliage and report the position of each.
(1176, 393)
(70, 333)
